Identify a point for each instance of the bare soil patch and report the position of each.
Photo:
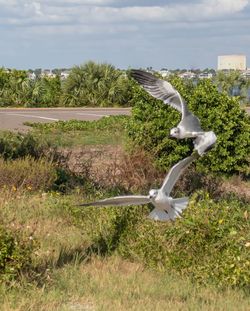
(111, 166)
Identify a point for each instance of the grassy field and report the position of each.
(106, 131)
(68, 278)
(70, 271)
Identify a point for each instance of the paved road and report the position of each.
(13, 118)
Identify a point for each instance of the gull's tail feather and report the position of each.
(203, 143)
(178, 206)
(159, 215)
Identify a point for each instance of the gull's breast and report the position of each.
(162, 202)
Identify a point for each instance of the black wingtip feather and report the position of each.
(142, 76)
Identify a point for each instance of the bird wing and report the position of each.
(120, 201)
(175, 172)
(160, 89)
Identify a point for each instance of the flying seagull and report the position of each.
(165, 207)
(190, 126)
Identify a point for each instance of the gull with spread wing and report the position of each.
(189, 126)
(165, 207)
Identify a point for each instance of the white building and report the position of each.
(164, 73)
(246, 73)
(205, 75)
(31, 75)
(64, 75)
(187, 75)
(48, 73)
(232, 62)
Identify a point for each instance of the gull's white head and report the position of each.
(153, 193)
(175, 132)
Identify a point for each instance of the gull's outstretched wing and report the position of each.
(175, 172)
(160, 89)
(120, 201)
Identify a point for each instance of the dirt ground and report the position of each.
(111, 166)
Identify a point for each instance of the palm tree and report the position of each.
(94, 84)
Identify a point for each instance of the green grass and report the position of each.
(112, 284)
(68, 278)
(106, 131)
(115, 258)
(57, 138)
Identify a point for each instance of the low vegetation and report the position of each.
(106, 131)
(55, 255)
(70, 270)
(27, 174)
(17, 145)
(15, 254)
(210, 244)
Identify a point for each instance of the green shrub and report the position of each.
(94, 84)
(46, 92)
(152, 120)
(211, 243)
(114, 123)
(15, 254)
(17, 145)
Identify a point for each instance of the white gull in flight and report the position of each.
(189, 126)
(165, 207)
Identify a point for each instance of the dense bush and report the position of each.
(46, 92)
(152, 120)
(90, 84)
(17, 145)
(94, 84)
(211, 243)
(17, 89)
(15, 253)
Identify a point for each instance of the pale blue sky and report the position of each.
(126, 33)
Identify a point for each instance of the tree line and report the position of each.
(89, 84)
(92, 84)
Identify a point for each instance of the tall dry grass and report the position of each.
(27, 174)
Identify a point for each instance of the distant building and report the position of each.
(246, 73)
(48, 73)
(187, 75)
(205, 75)
(164, 73)
(64, 75)
(232, 62)
(31, 75)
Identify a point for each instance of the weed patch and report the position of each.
(17, 145)
(27, 174)
(210, 243)
(15, 253)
